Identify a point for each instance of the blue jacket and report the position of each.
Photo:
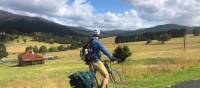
(97, 47)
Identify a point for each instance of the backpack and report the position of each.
(82, 79)
(86, 53)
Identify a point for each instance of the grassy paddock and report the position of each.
(151, 66)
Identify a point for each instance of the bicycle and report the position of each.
(114, 75)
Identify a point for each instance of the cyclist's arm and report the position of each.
(103, 49)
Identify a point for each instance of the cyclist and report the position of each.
(97, 63)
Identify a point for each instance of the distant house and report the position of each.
(30, 58)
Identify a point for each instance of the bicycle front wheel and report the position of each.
(115, 76)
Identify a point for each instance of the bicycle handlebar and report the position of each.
(110, 60)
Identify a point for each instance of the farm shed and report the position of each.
(30, 58)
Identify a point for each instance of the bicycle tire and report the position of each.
(115, 76)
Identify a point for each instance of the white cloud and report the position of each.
(79, 8)
(76, 13)
(186, 12)
(81, 13)
(126, 20)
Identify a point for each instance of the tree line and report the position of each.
(161, 36)
(50, 38)
(196, 31)
(43, 49)
(4, 37)
(3, 51)
(53, 38)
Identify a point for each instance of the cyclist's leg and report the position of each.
(99, 66)
(104, 82)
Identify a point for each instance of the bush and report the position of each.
(121, 53)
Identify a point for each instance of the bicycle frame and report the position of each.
(107, 64)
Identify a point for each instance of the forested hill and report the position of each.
(110, 33)
(156, 33)
(13, 23)
(17, 23)
(159, 28)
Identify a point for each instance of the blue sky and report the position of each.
(116, 6)
(109, 14)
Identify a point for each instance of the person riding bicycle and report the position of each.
(97, 63)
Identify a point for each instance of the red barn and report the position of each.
(30, 58)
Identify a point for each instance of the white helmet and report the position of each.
(96, 31)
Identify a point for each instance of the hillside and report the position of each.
(110, 33)
(17, 23)
(159, 28)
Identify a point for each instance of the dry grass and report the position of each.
(172, 48)
(40, 82)
(14, 47)
(147, 60)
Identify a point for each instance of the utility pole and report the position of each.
(184, 40)
(184, 31)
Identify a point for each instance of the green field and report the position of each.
(150, 66)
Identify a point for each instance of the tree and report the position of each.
(3, 51)
(163, 37)
(53, 49)
(148, 36)
(117, 39)
(43, 50)
(17, 40)
(29, 48)
(4, 37)
(61, 48)
(196, 32)
(24, 40)
(148, 41)
(121, 53)
(75, 45)
(35, 49)
(51, 41)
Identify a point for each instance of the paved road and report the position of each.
(188, 84)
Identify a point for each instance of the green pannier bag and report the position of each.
(82, 79)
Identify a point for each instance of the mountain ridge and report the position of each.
(10, 22)
(13, 22)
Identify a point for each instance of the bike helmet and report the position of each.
(96, 31)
